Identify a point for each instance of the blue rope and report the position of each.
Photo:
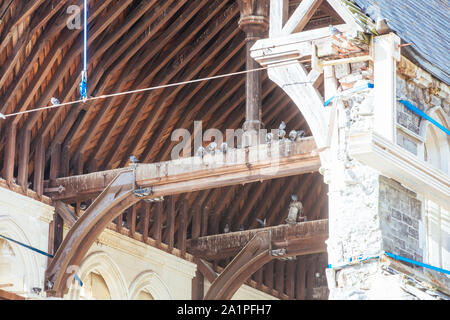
(421, 264)
(83, 83)
(366, 86)
(361, 258)
(27, 246)
(413, 108)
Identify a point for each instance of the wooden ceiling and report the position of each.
(137, 44)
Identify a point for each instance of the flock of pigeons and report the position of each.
(270, 137)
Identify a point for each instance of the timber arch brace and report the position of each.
(117, 197)
(259, 248)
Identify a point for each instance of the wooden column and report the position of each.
(196, 222)
(279, 276)
(182, 230)
(10, 152)
(254, 22)
(290, 278)
(205, 215)
(58, 228)
(55, 164)
(268, 275)
(198, 286)
(171, 223)
(24, 151)
(132, 221)
(39, 167)
(146, 223)
(300, 290)
(158, 224)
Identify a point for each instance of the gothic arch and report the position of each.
(101, 263)
(151, 282)
(437, 142)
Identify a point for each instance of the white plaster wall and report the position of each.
(25, 220)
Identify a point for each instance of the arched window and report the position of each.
(95, 287)
(437, 143)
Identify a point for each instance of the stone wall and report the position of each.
(424, 92)
(401, 220)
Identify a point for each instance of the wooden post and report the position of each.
(196, 222)
(55, 164)
(300, 290)
(39, 167)
(268, 275)
(10, 152)
(310, 278)
(198, 286)
(24, 150)
(254, 22)
(58, 229)
(290, 278)
(145, 225)
(171, 223)
(132, 221)
(205, 214)
(279, 275)
(182, 230)
(119, 220)
(158, 224)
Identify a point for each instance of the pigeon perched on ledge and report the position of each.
(201, 152)
(133, 159)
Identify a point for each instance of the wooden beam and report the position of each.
(300, 238)
(279, 14)
(206, 270)
(252, 257)
(132, 221)
(65, 213)
(237, 166)
(300, 293)
(301, 16)
(116, 198)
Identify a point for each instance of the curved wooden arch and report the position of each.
(252, 257)
(116, 198)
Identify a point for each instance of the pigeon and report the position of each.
(334, 31)
(269, 137)
(224, 147)
(212, 147)
(282, 125)
(37, 290)
(49, 284)
(293, 135)
(201, 152)
(261, 222)
(300, 134)
(55, 101)
(382, 26)
(226, 229)
(83, 206)
(133, 159)
(241, 228)
(281, 132)
(295, 210)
